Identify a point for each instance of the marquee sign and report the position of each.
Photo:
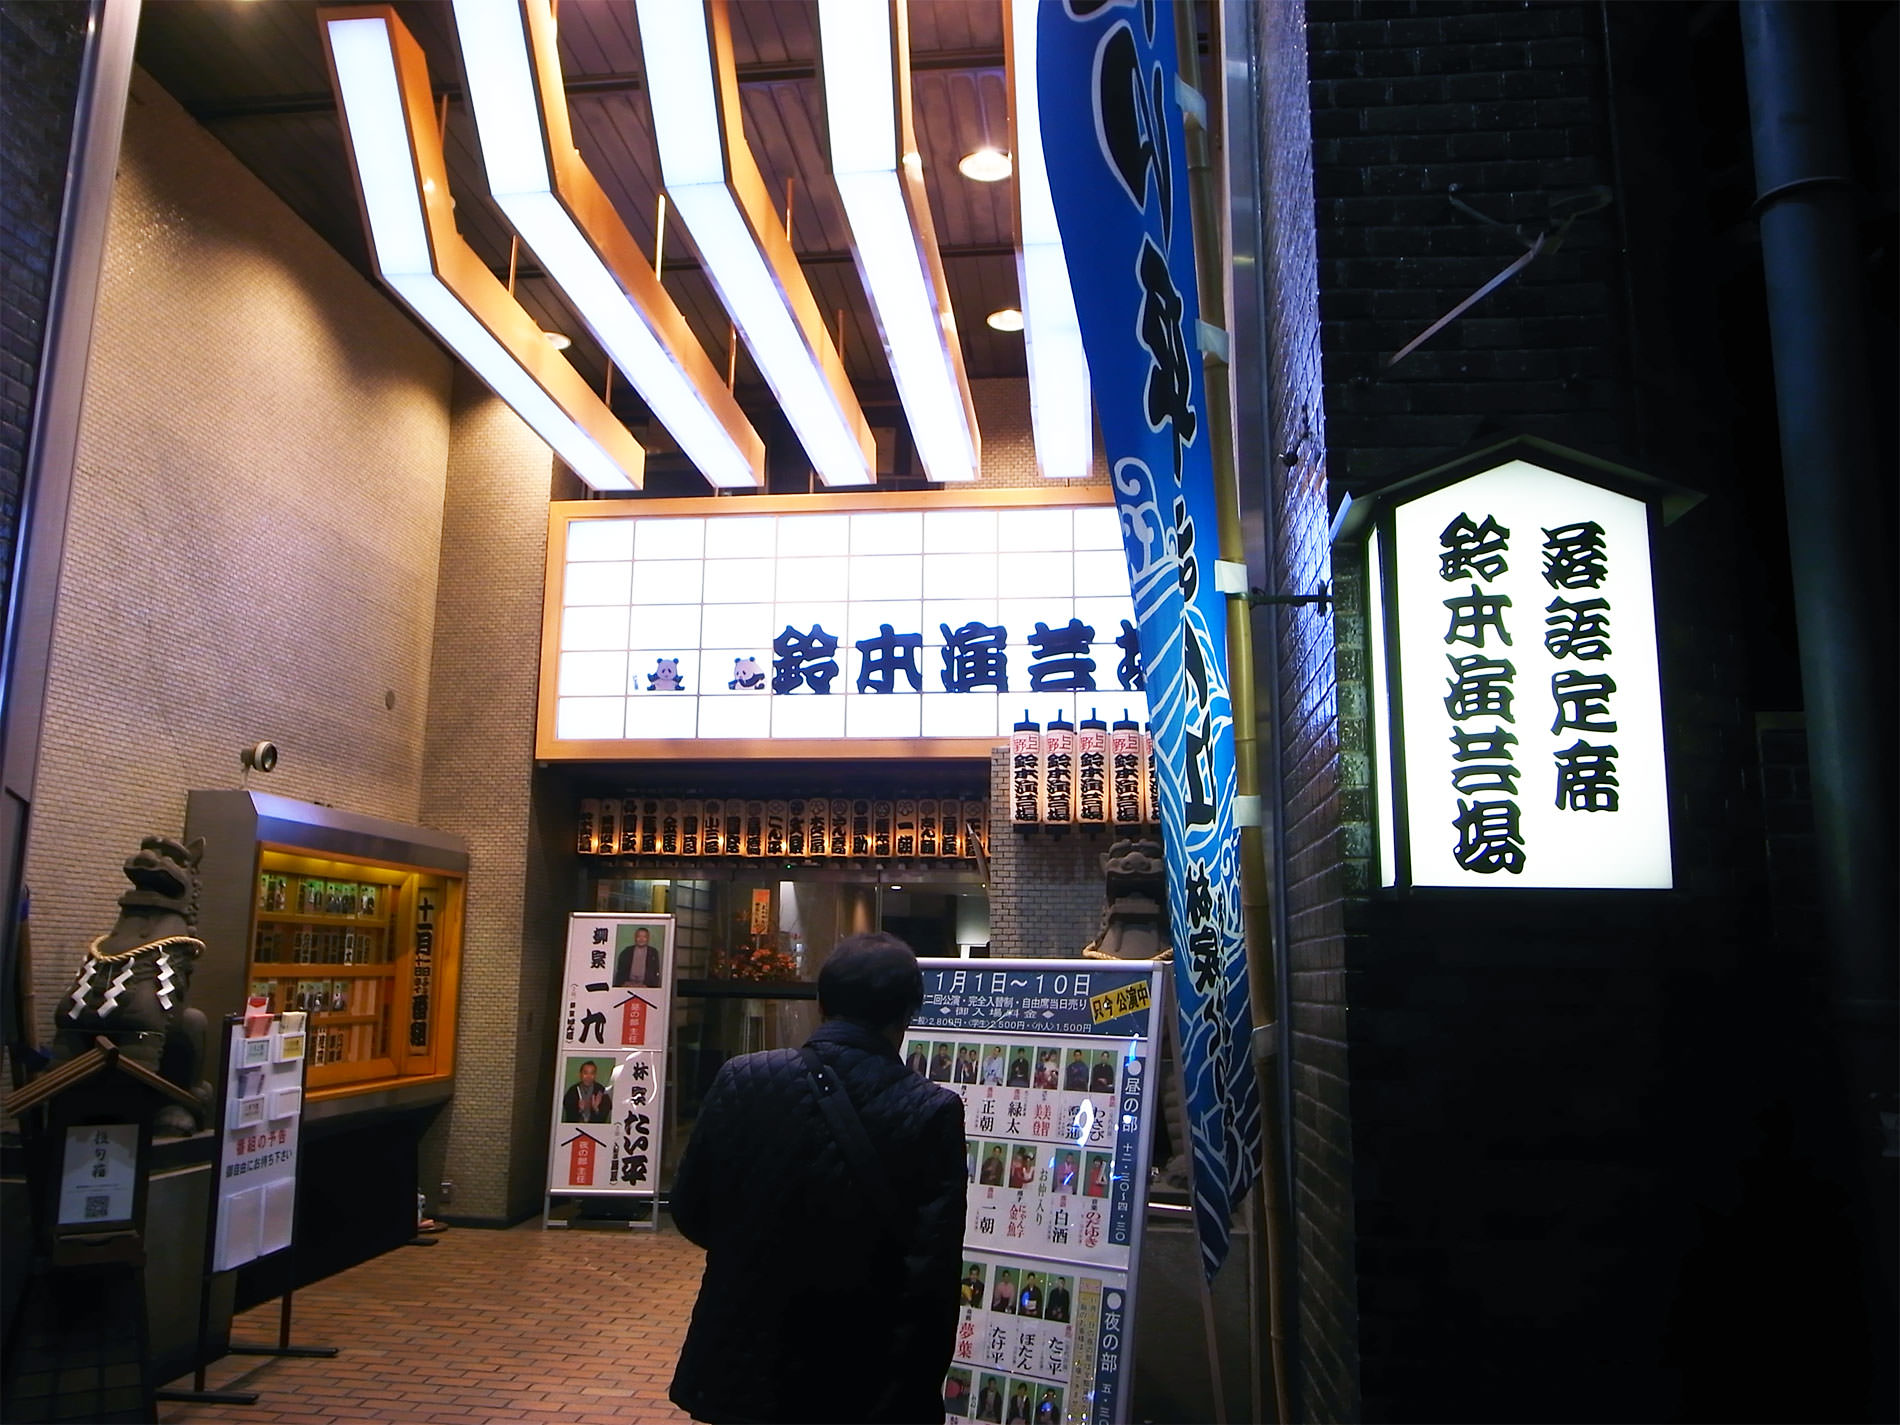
(833, 626)
(1517, 704)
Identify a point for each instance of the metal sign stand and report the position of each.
(198, 1393)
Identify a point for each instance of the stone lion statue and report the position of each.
(133, 984)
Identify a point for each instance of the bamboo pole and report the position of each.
(1211, 267)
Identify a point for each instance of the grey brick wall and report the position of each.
(41, 49)
(253, 532)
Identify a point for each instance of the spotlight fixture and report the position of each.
(1009, 319)
(560, 341)
(381, 81)
(1060, 413)
(714, 183)
(864, 52)
(551, 197)
(986, 165)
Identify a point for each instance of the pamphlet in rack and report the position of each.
(610, 1062)
(257, 1151)
(1052, 1059)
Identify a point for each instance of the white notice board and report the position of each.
(257, 1150)
(1053, 1060)
(610, 1056)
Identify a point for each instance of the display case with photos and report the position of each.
(344, 919)
(364, 949)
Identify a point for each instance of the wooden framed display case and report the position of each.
(353, 920)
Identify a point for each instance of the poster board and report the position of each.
(610, 1057)
(258, 1140)
(1053, 1060)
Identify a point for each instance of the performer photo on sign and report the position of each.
(971, 1290)
(993, 1064)
(1055, 1303)
(1022, 1167)
(1005, 1298)
(966, 1064)
(989, 1400)
(1075, 1078)
(1062, 1172)
(587, 1099)
(1018, 1067)
(637, 964)
(1047, 1075)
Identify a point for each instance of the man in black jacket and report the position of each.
(824, 1298)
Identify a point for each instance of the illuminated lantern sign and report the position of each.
(1516, 701)
(833, 626)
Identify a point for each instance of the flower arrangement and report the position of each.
(759, 966)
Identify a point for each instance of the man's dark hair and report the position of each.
(589, 1064)
(871, 979)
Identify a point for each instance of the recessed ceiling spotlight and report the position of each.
(560, 341)
(986, 165)
(1007, 320)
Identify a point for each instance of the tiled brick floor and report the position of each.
(563, 1327)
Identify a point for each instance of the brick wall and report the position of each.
(41, 49)
(1420, 107)
(1534, 1116)
(253, 532)
(1297, 643)
(477, 782)
(1009, 450)
(1046, 888)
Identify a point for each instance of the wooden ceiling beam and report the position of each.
(528, 271)
(295, 105)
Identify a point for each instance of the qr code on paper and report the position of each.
(98, 1205)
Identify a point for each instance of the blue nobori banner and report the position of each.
(1116, 156)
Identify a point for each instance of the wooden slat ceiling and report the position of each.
(254, 75)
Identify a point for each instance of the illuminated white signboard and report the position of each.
(1517, 706)
(832, 625)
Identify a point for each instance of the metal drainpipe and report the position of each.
(1843, 595)
(1812, 267)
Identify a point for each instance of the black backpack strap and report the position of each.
(848, 1129)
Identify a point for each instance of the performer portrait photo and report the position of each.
(993, 1064)
(587, 1099)
(1075, 1078)
(637, 966)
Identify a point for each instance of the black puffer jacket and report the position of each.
(809, 1310)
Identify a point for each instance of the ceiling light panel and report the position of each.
(1061, 414)
(714, 184)
(382, 85)
(864, 47)
(544, 186)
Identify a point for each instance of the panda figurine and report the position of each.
(747, 676)
(665, 677)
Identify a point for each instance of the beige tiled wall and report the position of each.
(477, 783)
(253, 536)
